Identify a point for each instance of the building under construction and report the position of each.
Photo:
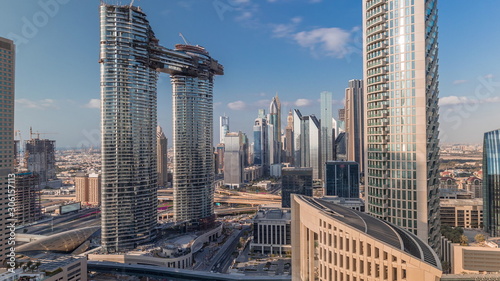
(28, 199)
(40, 158)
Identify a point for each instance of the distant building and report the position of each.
(341, 147)
(491, 182)
(253, 173)
(327, 131)
(475, 186)
(354, 123)
(88, 188)
(28, 199)
(261, 146)
(341, 179)
(295, 181)
(331, 242)
(271, 232)
(274, 120)
(289, 139)
(342, 114)
(161, 157)
(224, 127)
(41, 159)
(219, 158)
(234, 160)
(465, 213)
(306, 134)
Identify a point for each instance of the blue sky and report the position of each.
(297, 48)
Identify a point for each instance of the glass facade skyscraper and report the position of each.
(401, 124)
(491, 182)
(295, 181)
(130, 59)
(342, 179)
(326, 128)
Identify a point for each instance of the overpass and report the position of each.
(178, 274)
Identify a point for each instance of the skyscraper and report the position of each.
(310, 151)
(234, 159)
(7, 76)
(161, 157)
(297, 123)
(129, 74)
(326, 128)
(224, 127)
(41, 159)
(342, 179)
(401, 135)
(274, 119)
(260, 143)
(354, 122)
(289, 139)
(491, 182)
(306, 135)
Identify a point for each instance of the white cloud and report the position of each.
(458, 82)
(41, 104)
(333, 42)
(262, 103)
(237, 105)
(244, 16)
(303, 102)
(489, 76)
(454, 100)
(93, 103)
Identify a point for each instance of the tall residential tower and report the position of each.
(130, 59)
(7, 78)
(401, 135)
(354, 123)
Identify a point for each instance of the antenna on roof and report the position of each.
(132, 3)
(183, 38)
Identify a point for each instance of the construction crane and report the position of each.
(38, 134)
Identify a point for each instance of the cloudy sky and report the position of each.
(296, 48)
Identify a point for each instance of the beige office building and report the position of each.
(400, 57)
(7, 84)
(332, 242)
(88, 188)
(465, 213)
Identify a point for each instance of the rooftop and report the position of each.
(273, 214)
(385, 232)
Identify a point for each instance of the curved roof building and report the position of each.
(332, 242)
(61, 242)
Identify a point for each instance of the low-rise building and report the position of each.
(332, 242)
(271, 231)
(465, 213)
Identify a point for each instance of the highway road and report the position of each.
(65, 222)
(224, 257)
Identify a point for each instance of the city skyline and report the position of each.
(467, 95)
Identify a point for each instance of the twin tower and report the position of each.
(130, 59)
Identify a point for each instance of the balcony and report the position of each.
(377, 11)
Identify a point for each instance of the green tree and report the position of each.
(479, 238)
(464, 240)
